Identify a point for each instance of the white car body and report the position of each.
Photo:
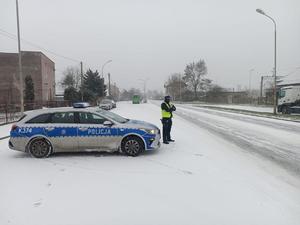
(80, 135)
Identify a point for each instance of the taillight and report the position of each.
(14, 127)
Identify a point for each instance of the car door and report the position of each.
(62, 132)
(93, 134)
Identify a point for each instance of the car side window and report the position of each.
(90, 118)
(43, 118)
(63, 117)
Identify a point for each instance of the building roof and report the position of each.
(15, 53)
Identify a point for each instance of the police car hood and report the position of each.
(142, 124)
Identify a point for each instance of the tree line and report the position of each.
(192, 84)
(89, 88)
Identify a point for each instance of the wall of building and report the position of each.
(34, 64)
(9, 85)
(48, 78)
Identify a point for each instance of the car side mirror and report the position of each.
(108, 123)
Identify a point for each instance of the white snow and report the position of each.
(199, 179)
(5, 130)
(268, 109)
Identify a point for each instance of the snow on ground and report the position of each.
(200, 179)
(266, 109)
(276, 140)
(4, 130)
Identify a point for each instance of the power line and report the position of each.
(14, 37)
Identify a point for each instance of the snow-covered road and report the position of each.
(202, 178)
(277, 140)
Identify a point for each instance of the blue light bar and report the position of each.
(81, 105)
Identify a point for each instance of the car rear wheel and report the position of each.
(40, 148)
(285, 110)
(132, 146)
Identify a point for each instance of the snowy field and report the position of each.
(219, 171)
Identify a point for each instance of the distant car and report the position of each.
(114, 104)
(42, 132)
(106, 104)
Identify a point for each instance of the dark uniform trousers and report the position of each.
(167, 125)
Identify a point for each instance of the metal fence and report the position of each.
(9, 113)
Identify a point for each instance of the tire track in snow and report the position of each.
(278, 124)
(187, 172)
(283, 156)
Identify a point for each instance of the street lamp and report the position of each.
(260, 11)
(20, 60)
(109, 61)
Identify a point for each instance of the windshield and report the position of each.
(113, 116)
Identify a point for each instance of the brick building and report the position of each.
(34, 64)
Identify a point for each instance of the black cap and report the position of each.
(168, 97)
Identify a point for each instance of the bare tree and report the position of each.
(175, 86)
(195, 76)
(71, 78)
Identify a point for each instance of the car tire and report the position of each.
(285, 110)
(40, 148)
(132, 146)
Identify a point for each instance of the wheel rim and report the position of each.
(132, 147)
(284, 110)
(39, 148)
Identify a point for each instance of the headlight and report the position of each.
(149, 131)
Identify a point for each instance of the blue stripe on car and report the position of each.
(74, 131)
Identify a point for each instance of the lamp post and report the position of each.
(109, 61)
(20, 61)
(260, 11)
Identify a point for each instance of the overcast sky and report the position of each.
(154, 38)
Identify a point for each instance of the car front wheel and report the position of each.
(132, 146)
(285, 110)
(40, 148)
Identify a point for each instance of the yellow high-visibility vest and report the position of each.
(166, 114)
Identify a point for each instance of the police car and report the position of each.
(81, 128)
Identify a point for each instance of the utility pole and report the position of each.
(20, 61)
(261, 88)
(262, 84)
(108, 84)
(81, 80)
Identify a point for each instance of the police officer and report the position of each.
(166, 111)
